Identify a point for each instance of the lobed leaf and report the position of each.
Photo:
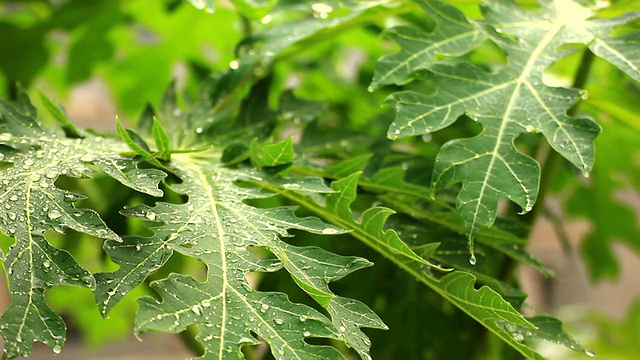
(32, 204)
(452, 36)
(508, 103)
(218, 228)
(484, 305)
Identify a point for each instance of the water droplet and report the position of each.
(264, 308)
(530, 129)
(584, 95)
(303, 318)
(472, 260)
(234, 65)
(138, 247)
(6, 137)
(51, 175)
(87, 158)
(330, 231)
(517, 336)
(510, 327)
(57, 349)
(196, 309)
(590, 353)
(206, 303)
(275, 266)
(54, 214)
(342, 329)
(13, 198)
(278, 321)
(199, 130)
(306, 333)
(266, 19)
(46, 264)
(150, 215)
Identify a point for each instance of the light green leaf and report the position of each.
(32, 204)
(621, 51)
(161, 139)
(60, 115)
(267, 154)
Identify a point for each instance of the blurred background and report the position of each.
(102, 58)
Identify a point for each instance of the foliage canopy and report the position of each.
(235, 229)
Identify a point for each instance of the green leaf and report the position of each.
(32, 204)
(60, 115)
(621, 51)
(161, 139)
(452, 36)
(507, 103)
(219, 229)
(484, 305)
(267, 154)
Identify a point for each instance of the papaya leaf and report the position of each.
(485, 305)
(420, 49)
(32, 205)
(218, 228)
(621, 51)
(508, 103)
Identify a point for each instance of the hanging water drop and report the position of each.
(57, 349)
(590, 353)
(472, 260)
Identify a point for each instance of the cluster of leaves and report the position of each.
(222, 189)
